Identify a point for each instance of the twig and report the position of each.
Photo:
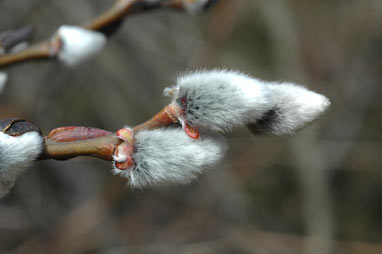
(164, 117)
(50, 48)
(42, 50)
(101, 147)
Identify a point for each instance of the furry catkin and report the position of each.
(79, 44)
(165, 156)
(221, 100)
(16, 154)
(293, 107)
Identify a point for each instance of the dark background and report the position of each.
(319, 191)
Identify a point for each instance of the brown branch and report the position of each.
(42, 50)
(99, 147)
(117, 11)
(49, 48)
(102, 147)
(165, 117)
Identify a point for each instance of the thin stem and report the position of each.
(39, 51)
(118, 10)
(101, 147)
(163, 118)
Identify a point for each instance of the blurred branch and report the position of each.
(9, 39)
(106, 23)
(42, 50)
(121, 8)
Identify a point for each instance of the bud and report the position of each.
(76, 133)
(169, 156)
(123, 152)
(79, 44)
(220, 100)
(293, 107)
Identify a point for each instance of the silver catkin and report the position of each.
(169, 156)
(221, 100)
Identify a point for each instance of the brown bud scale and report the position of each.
(76, 133)
(17, 127)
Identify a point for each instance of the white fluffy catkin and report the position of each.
(293, 107)
(16, 154)
(79, 44)
(221, 100)
(169, 156)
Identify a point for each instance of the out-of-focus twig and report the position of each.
(42, 50)
(115, 14)
(9, 39)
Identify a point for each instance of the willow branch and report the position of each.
(42, 50)
(121, 8)
(100, 147)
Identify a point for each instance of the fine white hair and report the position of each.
(169, 156)
(293, 107)
(16, 154)
(221, 100)
(3, 80)
(79, 44)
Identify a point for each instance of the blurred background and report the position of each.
(319, 191)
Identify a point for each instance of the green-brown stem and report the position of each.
(101, 147)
